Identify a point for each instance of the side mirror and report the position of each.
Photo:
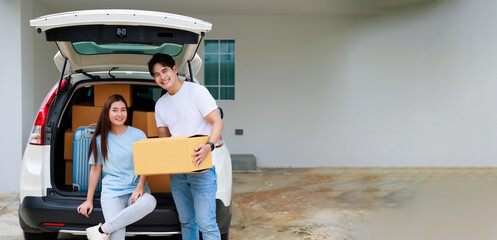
(220, 110)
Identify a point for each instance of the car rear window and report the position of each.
(95, 48)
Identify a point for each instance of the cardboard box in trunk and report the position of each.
(159, 183)
(168, 155)
(102, 92)
(84, 114)
(68, 136)
(68, 180)
(145, 121)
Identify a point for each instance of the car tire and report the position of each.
(41, 236)
(225, 236)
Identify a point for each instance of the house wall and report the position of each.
(27, 75)
(10, 95)
(282, 64)
(411, 87)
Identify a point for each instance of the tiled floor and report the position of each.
(349, 203)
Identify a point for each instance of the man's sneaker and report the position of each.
(92, 233)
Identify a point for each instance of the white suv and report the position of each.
(105, 48)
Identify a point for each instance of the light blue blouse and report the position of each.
(119, 171)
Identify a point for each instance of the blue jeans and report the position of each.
(195, 198)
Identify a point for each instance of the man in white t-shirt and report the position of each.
(188, 108)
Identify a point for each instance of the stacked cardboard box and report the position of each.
(102, 92)
(68, 180)
(159, 183)
(84, 114)
(145, 121)
(68, 136)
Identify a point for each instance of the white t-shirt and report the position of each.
(184, 112)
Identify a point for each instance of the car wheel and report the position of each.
(225, 236)
(41, 236)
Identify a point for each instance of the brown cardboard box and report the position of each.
(102, 92)
(159, 183)
(145, 121)
(68, 136)
(168, 155)
(84, 114)
(68, 172)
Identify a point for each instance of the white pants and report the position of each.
(119, 213)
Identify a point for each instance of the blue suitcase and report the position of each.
(81, 168)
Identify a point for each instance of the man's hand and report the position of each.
(200, 154)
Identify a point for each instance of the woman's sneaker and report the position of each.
(92, 233)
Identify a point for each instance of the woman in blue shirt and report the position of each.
(125, 197)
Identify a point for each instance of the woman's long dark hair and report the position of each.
(103, 128)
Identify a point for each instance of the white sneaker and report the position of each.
(92, 233)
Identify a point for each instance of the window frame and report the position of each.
(218, 54)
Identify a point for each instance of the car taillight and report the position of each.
(54, 224)
(38, 132)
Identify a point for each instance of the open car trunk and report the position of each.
(103, 47)
(83, 104)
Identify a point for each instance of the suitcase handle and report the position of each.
(90, 130)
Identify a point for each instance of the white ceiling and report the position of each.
(236, 7)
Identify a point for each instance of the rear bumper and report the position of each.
(46, 214)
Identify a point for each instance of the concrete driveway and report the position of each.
(348, 203)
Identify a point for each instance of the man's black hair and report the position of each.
(164, 59)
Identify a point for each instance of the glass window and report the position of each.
(219, 68)
(94, 48)
(211, 46)
(211, 69)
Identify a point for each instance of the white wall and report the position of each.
(281, 65)
(412, 87)
(10, 95)
(27, 75)
(419, 87)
